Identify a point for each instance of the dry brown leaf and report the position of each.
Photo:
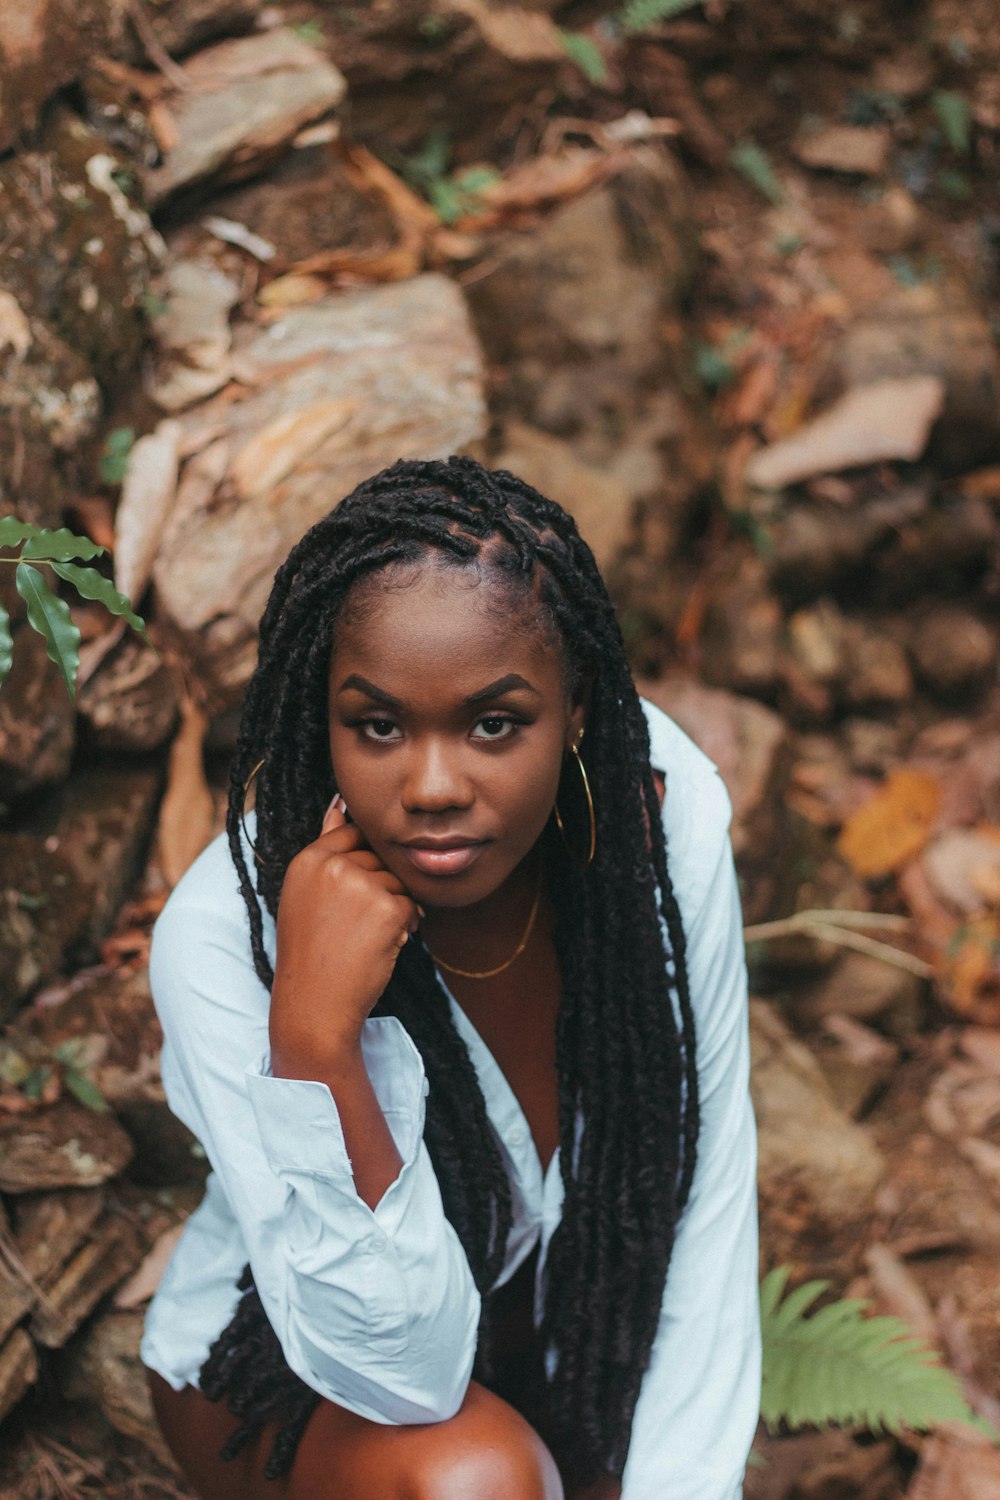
(982, 484)
(549, 179)
(187, 810)
(519, 35)
(163, 125)
(142, 1284)
(15, 330)
(293, 290)
(148, 491)
(893, 827)
(287, 442)
(970, 972)
(96, 515)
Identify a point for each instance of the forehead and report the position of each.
(441, 626)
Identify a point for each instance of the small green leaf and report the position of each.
(46, 546)
(94, 585)
(309, 31)
(755, 165)
(50, 616)
(13, 531)
(6, 645)
(954, 117)
(446, 200)
(585, 53)
(114, 457)
(28, 902)
(34, 1085)
(638, 15)
(85, 1089)
(476, 179)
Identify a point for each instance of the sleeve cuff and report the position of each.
(298, 1121)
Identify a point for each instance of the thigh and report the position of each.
(487, 1451)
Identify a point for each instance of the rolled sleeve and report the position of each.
(375, 1309)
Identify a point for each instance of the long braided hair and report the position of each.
(625, 1045)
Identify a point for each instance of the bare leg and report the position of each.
(486, 1452)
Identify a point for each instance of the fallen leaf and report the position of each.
(148, 491)
(15, 330)
(970, 972)
(888, 419)
(187, 810)
(861, 150)
(142, 1284)
(294, 290)
(893, 826)
(963, 866)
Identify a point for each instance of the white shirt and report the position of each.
(376, 1308)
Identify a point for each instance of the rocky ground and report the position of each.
(726, 286)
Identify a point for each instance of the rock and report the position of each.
(741, 640)
(104, 1367)
(749, 744)
(866, 989)
(945, 549)
(963, 867)
(891, 224)
(52, 1227)
(337, 390)
(129, 702)
(591, 283)
(248, 99)
(45, 44)
(955, 1467)
(37, 721)
(932, 329)
(886, 419)
(954, 652)
(110, 1254)
(599, 503)
(62, 1146)
(63, 880)
(818, 1171)
(859, 150)
(815, 548)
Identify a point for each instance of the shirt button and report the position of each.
(517, 1137)
(376, 1245)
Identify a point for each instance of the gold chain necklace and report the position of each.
(490, 973)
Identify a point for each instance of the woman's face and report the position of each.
(449, 721)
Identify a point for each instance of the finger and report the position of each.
(335, 815)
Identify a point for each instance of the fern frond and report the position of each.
(839, 1367)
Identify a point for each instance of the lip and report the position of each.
(448, 856)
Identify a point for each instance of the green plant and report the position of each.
(954, 117)
(755, 165)
(114, 454)
(49, 615)
(837, 1367)
(639, 15)
(450, 194)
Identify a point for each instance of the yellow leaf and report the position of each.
(893, 826)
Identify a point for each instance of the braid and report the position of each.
(625, 1028)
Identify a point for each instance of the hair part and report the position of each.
(625, 1030)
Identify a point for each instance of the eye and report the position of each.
(380, 730)
(495, 727)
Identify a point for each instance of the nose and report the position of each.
(435, 780)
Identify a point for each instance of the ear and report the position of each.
(575, 721)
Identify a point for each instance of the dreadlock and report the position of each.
(625, 1029)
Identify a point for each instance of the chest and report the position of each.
(515, 1015)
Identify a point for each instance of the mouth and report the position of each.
(445, 856)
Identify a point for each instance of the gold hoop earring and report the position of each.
(243, 810)
(575, 752)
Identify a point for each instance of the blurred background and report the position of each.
(722, 279)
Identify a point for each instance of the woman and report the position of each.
(471, 1077)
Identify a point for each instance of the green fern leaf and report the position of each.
(585, 53)
(838, 1366)
(6, 645)
(50, 616)
(45, 545)
(639, 15)
(93, 585)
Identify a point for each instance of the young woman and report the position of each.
(466, 1050)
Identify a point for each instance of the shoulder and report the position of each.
(696, 808)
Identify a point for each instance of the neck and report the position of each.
(485, 934)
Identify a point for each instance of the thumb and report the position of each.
(335, 815)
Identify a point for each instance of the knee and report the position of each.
(491, 1453)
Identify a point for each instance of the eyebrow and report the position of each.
(513, 682)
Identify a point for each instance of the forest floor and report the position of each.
(735, 281)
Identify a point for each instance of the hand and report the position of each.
(342, 921)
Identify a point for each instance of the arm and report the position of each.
(700, 1398)
(375, 1307)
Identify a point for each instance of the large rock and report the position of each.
(37, 726)
(818, 1171)
(104, 1368)
(247, 100)
(129, 703)
(44, 44)
(181, 25)
(336, 391)
(63, 1146)
(42, 913)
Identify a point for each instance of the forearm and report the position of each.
(375, 1159)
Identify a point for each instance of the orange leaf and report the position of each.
(893, 826)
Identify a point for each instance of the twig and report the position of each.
(155, 51)
(839, 927)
